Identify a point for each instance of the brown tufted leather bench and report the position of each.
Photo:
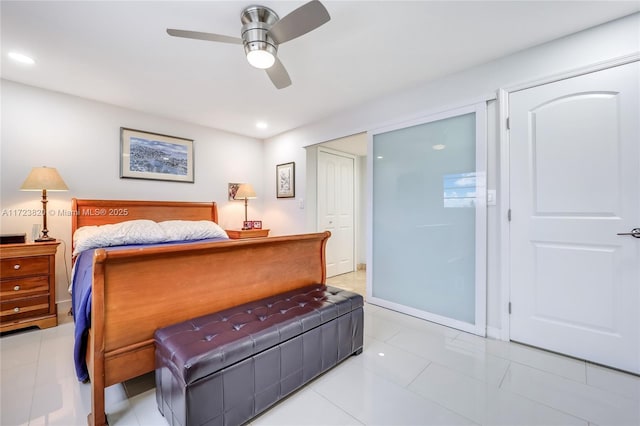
(227, 367)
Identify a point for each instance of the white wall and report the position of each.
(608, 41)
(81, 138)
(286, 215)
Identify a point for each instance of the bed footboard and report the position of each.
(136, 292)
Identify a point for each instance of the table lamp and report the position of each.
(245, 191)
(44, 179)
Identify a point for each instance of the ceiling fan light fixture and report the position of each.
(261, 59)
(263, 31)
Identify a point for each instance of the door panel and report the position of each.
(428, 218)
(336, 210)
(553, 290)
(562, 130)
(575, 184)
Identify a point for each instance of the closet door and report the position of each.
(428, 220)
(575, 192)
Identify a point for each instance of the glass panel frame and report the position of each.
(454, 198)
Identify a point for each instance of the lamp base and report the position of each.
(44, 239)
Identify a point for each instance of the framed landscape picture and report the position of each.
(286, 180)
(145, 155)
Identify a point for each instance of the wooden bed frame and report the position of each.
(137, 291)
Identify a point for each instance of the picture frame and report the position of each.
(286, 180)
(247, 224)
(257, 224)
(233, 190)
(154, 156)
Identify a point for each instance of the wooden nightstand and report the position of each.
(237, 234)
(28, 285)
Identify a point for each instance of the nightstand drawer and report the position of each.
(28, 285)
(23, 287)
(23, 266)
(25, 307)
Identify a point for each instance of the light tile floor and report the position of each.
(412, 372)
(354, 281)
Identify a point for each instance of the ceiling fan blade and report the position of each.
(204, 36)
(279, 75)
(306, 18)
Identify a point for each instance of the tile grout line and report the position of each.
(543, 403)
(418, 375)
(433, 401)
(337, 406)
(35, 378)
(504, 376)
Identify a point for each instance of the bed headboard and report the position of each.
(102, 212)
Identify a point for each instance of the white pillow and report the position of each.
(182, 230)
(140, 231)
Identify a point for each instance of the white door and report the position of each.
(335, 210)
(575, 184)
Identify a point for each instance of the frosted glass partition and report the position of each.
(424, 237)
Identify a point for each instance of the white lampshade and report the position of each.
(44, 178)
(245, 191)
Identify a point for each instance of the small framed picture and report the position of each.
(247, 224)
(257, 224)
(286, 180)
(233, 189)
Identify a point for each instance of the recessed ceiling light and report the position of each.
(22, 58)
(439, 147)
(261, 125)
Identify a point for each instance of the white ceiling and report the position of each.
(118, 52)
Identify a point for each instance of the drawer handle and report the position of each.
(16, 266)
(17, 288)
(16, 310)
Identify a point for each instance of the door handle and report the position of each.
(635, 233)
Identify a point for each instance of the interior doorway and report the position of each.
(354, 146)
(336, 208)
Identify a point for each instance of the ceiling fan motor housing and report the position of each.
(257, 20)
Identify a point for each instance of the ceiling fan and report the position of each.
(263, 31)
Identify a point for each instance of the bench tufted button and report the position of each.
(209, 337)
